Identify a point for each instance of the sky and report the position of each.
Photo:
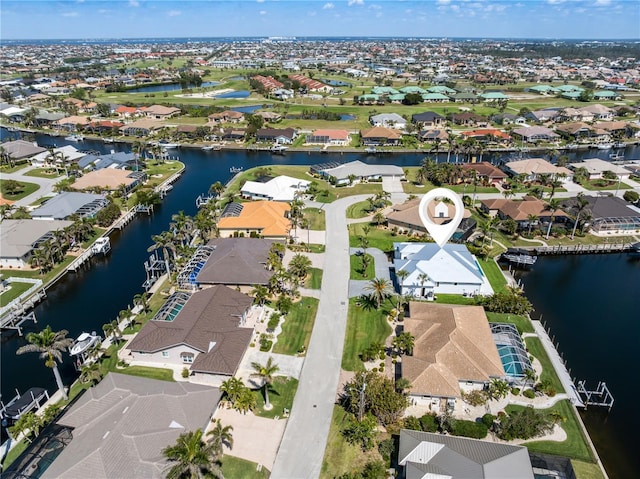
(94, 19)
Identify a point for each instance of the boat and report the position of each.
(109, 140)
(211, 147)
(23, 403)
(616, 156)
(74, 138)
(278, 149)
(235, 169)
(518, 257)
(571, 146)
(167, 144)
(371, 150)
(84, 343)
(620, 144)
(604, 146)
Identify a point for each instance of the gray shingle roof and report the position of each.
(65, 204)
(237, 261)
(17, 237)
(122, 424)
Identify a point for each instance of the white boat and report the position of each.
(167, 144)
(604, 146)
(620, 144)
(278, 149)
(84, 342)
(371, 150)
(235, 169)
(109, 140)
(74, 138)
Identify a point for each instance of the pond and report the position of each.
(335, 82)
(168, 87)
(347, 117)
(235, 94)
(249, 109)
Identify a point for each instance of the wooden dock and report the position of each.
(579, 249)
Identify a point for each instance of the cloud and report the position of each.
(443, 2)
(603, 3)
(70, 14)
(375, 7)
(263, 12)
(174, 13)
(102, 11)
(134, 3)
(260, 1)
(328, 6)
(79, 1)
(355, 2)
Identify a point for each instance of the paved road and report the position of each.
(302, 448)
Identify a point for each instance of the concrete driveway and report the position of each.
(45, 185)
(289, 365)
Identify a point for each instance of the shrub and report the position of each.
(265, 343)
(515, 391)
(524, 424)
(386, 448)
(476, 430)
(412, 422)
(488, 420)
(529, 393)
(185, 373)
(475, 398)
(429, 423)
(274, 319)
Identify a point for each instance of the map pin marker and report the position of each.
(441, 233)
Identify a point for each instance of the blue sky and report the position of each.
(588, 19)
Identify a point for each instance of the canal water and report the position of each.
(86, 300)
(591, 304)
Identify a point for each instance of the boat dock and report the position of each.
(23, 403)
(578, 248)
(101, 246)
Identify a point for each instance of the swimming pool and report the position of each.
(511, 349)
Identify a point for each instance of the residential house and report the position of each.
(279, 136)
(488, 173)
(280, 188)
(534, 168)
(451, 269)
(527, 213)
(18, 239)
(433, 136)
(534, 134)
(61, 156)
(612, 216)
(72, 123)
(206, 332)
(355, 171)
(596, 167)
(468, 119)
(380, 136)
(234, 134)
(20, 150)
(70, 203)
(453, 352)
(542, 116)
(508, 119)
(329, 138)
(142, 127)
(598, 112)
(428, 120)
(388, 120)
(160, 112)
(487, 135)
(109, 179)
(267, 219)
(227, 116)
(429, 455)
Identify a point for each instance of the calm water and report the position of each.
(87, 300)
(169, 87)
(591, 303)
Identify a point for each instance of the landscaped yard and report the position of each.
(574, 447)
(16, 288)
(600, 184)
(14, 192)
(494, 274)
(521, 322)
(356, 267)
(364, 327)
(297, 327)
(314, 279)
(281, 393)
(340, 457)
(454, 299)
(316, 218)
(236, 468)
(534, 346)
(380, 238)
(586, 470)
(358, 210)
(44, 173)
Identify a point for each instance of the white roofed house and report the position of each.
(280, 188)
(355, 171)
(18, 239)
(533, 168)
(388, 120)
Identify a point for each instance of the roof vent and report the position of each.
(175, 425)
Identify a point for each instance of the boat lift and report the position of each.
(154, 267)
(601, 396)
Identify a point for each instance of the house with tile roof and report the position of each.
(206, 332)
(533, 168)
(380, 136)
(328, 137)
(406, 217)
(267, 219)
(488, 173)
(161, 112)
(535, 133)
(522, 211)
(453, 351)
(388, 120)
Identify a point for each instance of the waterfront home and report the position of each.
(487, 135)
(61, 156)
(234, 134)
(18, 239)
(119, 427)
(388, 120)
(420, 453)
(581, 132)
(486, 172)
(428, 120)
(532, 169)
(206, 332)
(534, 134)
(329, 138)
(528, 212)
(69, 203)
(613, 216)
(380, 136)
(227, 116)
(120, 160)
(109, 179)
(453, 352)
(161, 112)
(596, 168)
(597, 112)
(142, 127)
(406, 218)
(71, 123)
(267, 219)
(432, 269)
(433, 136)
(541, 116)
(237, 262)
(355, 172)
(20, 150)
(280, 188)
(279, 136)
(467, 118)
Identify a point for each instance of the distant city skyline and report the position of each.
(540, 19)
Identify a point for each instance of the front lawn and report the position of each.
(17, 192)
(297, 327)
(358, 210)
(314, 279)
(236, 468)
(574, 447)
(380, 238)
(316, 218)
(454, 299)
(44, 173)
(600, 184)
(534, 346)
(364, 327)
(281, 394)
(586, 470)
(147, 372)
(357, 272)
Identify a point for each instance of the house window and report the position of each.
(187, 358)
(165, 354)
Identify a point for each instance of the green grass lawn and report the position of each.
(380, 238)
(297, 327)
(41, 200)
(340, 457)
(34, 273)
(12, 169)
(44, 173)
(281, 394)
(521, 322)
(314, 279)
(534, 346)
(15, 290)
(307, 248)
(454, 299)
(358, 210)
(236, 468)
(147, 372)
(364, 327)
(494, 274)
(599, 185)
(316, 218)
(26, 189)
(356, 267)
(586, 470)
(164, 169)
(574, 447)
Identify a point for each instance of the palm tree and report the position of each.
(265, 372)
(531, 219)
(260, 294)
(233, 388)
(221, 435)
(142, 300)
(401, 274)
(553, 207)
(191, 457)
(299, 266)
(379, 218)
(380, 288)
(580, 207)
(530, 376)
(50, 345)
(91, 373)
(422, 277)
(112, 329)
(165, 241)
(216, 188)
